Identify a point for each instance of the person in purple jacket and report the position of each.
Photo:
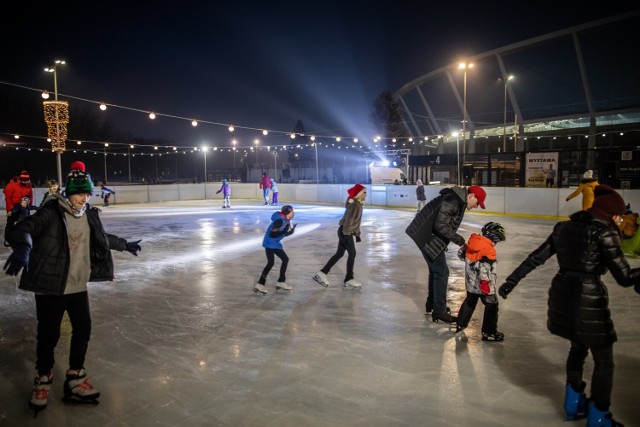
(225, 189)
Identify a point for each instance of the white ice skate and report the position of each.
(40, 393)
(353, 283)
(321, 278)
(77, 388)
(283, 285)
(260, 288)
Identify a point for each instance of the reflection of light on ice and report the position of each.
(229, 249)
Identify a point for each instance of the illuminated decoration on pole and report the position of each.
(56, 115)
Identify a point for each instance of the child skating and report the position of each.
(226, 193)
(480, 278)
(348, 230)
(274, 193)
(279, 228)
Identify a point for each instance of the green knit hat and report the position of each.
(78, 180)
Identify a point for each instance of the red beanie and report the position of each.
(608, 200)
(78, 165)
(355, 191)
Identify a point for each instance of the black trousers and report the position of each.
(49, 310)
(438, 282)
(490, 318)
(345, 243)
(602, 377)
(270, 261)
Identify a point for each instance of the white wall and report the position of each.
(502, 200)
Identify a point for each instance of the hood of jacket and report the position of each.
(480, 246)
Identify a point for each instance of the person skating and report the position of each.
(587, 184)
(480, 258)
(432, 229)
(348, 230)
(19, 187)
(274, 193)
(19, 212)
(265, 185)
(586, 246)
(279, 228)
(225, 188)
(59, 249)
(106, 194)
(54, 188)
(420, 195)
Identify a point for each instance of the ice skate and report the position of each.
(40, 393)
(495, 336)
(460, 334)
(444, 317)
(575, 402)
(321, 278)
(353, 283)
(260, 288)
(283, 285)
(77, 388)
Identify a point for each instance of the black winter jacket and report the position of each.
(437, 223)
(46, 235)
(578, 304)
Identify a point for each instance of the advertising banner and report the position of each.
(541, 170)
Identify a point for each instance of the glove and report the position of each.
(484, 287)
(567, 199)
(462, 253)
(134, 247)
(506, 289)
(358, 239)
(292, 229)
(18, 259)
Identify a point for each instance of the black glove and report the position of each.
(358, 239)
(18, 259)
(292, 229)
(506, 289)
(462, 253)
(134, 247)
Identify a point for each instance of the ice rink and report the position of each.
(180, 339)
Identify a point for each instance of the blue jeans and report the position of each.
(438, 281)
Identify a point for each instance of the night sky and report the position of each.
(258, 64)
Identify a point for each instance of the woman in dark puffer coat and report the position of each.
(578, 307)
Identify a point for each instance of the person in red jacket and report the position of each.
(18, 187)
(265, 185)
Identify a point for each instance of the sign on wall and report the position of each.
(541, 170)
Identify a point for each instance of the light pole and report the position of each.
(464, 66)
(58, 146)
(234, 159)
(505, 80)
(204, 150)
(315, 146)
(457, 135)
(129, 160)
(105, 163)
(257, 141)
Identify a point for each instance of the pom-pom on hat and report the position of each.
(78, 180)
(588, 174)
(608, 200)
(480, 194)
(356, 191)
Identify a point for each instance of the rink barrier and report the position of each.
(543, 202)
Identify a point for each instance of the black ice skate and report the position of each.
(77, 388)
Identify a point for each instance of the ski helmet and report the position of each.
(494, 231)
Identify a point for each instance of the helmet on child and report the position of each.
(494, 231)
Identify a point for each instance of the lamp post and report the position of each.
(58, 145)
(234, 159)
(505, 80)
(204, 150)
(129, 160)
(257, 141)
(457, 135)
(105, 163)
(464, 66)
(315, 146)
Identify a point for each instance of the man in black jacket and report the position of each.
(61, 248)
(433, 228)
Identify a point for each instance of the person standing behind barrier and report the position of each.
(54, 188)
(279, 228)
(225, 188)
(433, 228)
(265, 185)
(349, 228)
(16, 189)
(586, 246)
(420, 196)
(551, 176)
(587, 184)
(274, 193)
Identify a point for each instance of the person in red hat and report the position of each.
(16, 189)
(348, 230)
(433, 228)
(586, 246)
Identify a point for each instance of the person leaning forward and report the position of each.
(433, 228)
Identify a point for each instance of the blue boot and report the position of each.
(575, 402)
(598, 418)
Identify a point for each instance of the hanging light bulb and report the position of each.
(194, 123)
(231, 128)
(45, 95)
(103, 106)
(152, 116)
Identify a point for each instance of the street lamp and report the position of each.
(315, 146)
(457, 135)
(505, 80)
(464, 66)
(257, 141)
(60, 109)
(204, 150)
(105, 163)
(234, 159)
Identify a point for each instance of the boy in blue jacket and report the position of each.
(279, 228)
